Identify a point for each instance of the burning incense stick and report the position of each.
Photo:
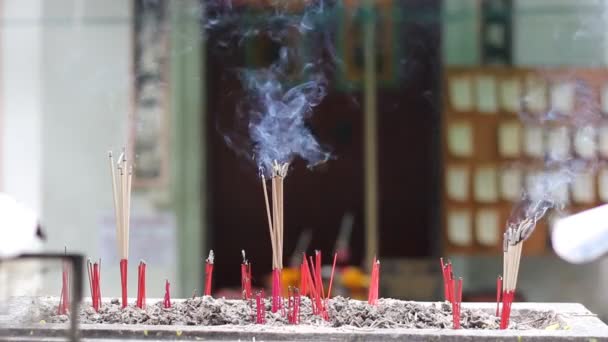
(209, 273)
(167, 299)
(513, 242)
(121, 191)
(245, 278)
(275, 226)
(372, 297)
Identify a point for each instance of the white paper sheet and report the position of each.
(459, 228)
(583, 188)
(602, 186)
(460, 139)
(536, 94)
(486, 94)
(486, 184)
(604, 99)
(457, 182)
(510, 93)
(461, 93)
(558, 145)
(487, 227)
(511, 183)
(562, 97)
(534, 145)
(509, 139)
(603, 140)
(585, 143)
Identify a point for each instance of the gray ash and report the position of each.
(389, 313)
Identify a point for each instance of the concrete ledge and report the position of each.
(576, 324)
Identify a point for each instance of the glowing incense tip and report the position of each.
(279, 169)
(211, 257)
(209, 273)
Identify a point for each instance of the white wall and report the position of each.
(559, 32)
(66, 98)
(545, 32)
(20, 101)
(460, 32)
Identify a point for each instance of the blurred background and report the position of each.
(437, 115)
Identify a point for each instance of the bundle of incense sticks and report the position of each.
(448, 276)
(122, 175)
(513, 242)
(245, 278)
(141, 285)
(452, 291)
(311, 280)
(260, 308)
(293, 311)
(94, 272)
(372, 297)
(514, 238)
(275, 225)
(456, 294)
(209, 273)
(167, 299)
(64, 298)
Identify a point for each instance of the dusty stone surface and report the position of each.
(343, 312)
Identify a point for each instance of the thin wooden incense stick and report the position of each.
(94, 272)
(141, 285)
(122, 176)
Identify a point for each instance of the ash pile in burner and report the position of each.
(388, 313)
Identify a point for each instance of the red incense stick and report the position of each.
(303, 279)
(167, 299)
(245, 278)
(313, 291)
(507, 300)
(64, 298)
(448, 276)
(456, 303)
(318, 275)
(372, 297)
(293, 313)
(498, 292)
(95, 279)
(141, 285)
(123, 281)
(331, 278)
(209, 273)
(276, 290)
(260, 308)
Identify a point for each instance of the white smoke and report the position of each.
(278, 114)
